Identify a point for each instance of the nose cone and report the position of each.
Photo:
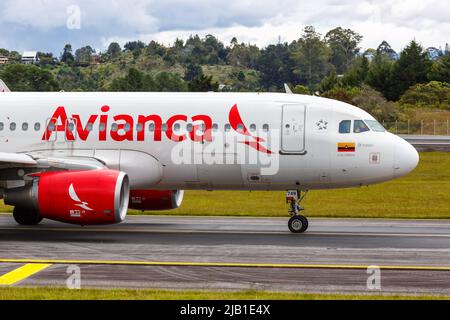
(406, 158)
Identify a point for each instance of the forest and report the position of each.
(392, 86)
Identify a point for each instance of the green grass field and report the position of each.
(425, 193)
(15, 293)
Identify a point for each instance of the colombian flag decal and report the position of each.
(346, 147)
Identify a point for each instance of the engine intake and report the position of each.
(91, 197)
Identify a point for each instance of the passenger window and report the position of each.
(71, 127)
(89, 126)
(12, 126)
(253, 127)
(344, 126)
(114, 127)
(176, 127)
(1, 126)
(215, 127)
(164, 127)
(266, 128)
(227, 127)
(139, 127)
(359, 126)
(37, 126)
(151, 127)
(127, 127)
(102, 127)
(189, 127)
(25, 126)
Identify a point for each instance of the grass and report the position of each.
(47, 293)
(425, 193)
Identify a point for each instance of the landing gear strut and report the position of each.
(297, 223)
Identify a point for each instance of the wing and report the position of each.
(16, 168)
(16, 159)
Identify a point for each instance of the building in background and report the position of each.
(30, 57)
(4, 60)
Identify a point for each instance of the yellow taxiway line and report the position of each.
(22, 273)
(224, 264)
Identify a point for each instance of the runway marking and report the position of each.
(22, 273)
(268, 232)
(222, 264)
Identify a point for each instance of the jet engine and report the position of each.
(90, 197)
(155, 199)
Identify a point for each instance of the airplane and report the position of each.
(86, 158)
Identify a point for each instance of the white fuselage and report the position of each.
(252, 141)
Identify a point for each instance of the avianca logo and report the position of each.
(73, 195)
(60, 122)
(238, 125)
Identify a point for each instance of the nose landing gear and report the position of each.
(297, 223)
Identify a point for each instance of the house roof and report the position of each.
(29, 54)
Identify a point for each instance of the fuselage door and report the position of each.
(293, 128)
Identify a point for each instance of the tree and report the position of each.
(204, 51)
(357, 74)
(411, 68)
(385, 49)
(156, 49)
(83, 56)
(21, 77)
(192, 71)
(134, 46)
(344, 47)
(379, 74)
(440, 70)
(311, 57)
(329, 82)
(46, 59)
(241, 55)
(374, 103)
(299, 89)
(114, 50)
(67, 55)
(275, 66)
(135, 80)
(170, 82)
(203, 83)
(433, 94)
(240, 76)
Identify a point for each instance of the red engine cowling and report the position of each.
(155, 199)
(84, 197)
(90, 197)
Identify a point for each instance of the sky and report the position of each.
(47, 25)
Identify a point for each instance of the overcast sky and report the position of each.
(46, 25)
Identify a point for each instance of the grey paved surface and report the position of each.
(237, 240)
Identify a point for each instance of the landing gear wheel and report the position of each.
(298, 224)
(26, 217)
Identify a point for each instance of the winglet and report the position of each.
(3, 87)
(287, 89)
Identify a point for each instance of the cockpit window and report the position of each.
(375, 125)
(359, 126)
(344, 126)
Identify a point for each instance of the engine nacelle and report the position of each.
(90, 197)
(155, 199)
